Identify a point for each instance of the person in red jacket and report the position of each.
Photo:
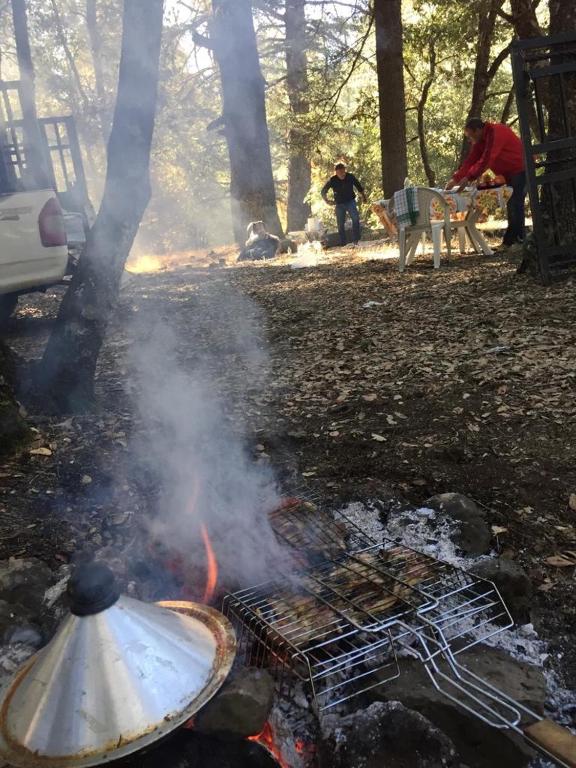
(496, 147)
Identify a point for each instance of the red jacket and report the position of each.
(499, 150)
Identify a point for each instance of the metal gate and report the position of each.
(59, 145)
(545, 82)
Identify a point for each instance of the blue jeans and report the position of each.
(341, 210)
(516, 215)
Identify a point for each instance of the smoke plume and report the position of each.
(202, 466)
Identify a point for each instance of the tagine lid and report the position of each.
(118, 675)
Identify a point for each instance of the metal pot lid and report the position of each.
(118, 675)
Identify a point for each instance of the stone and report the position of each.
(476, 741)
(241, 707)
(385, 735)
(473, 535)
(24, 582)
(26, 597)
(26, 634)
(12, 657)
(513, 584)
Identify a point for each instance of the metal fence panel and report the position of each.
(544, 71)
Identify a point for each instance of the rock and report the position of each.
(473, 534)
(11, 658)
(11, 614)
(24, 582)
(24, 635)
(385, 735)
(476, 742)
(513, 584)
(241, 708)
(26, 597)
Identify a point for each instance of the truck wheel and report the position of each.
(8, 303)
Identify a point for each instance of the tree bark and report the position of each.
(299, 165)
(13, 429)
(559, 200)
(69, 363)
(507, 111)
(484, 71)
(252, 191)
(524, 19)
(562, 16)
(421, 110)
(390, 67)
(95, 40)
(36, 162)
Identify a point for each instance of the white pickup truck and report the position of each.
(33, 245)
(39, 241)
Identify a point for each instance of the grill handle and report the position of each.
(554, 740)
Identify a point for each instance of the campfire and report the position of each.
(264, 678)
(331, 628)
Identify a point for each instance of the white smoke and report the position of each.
(203, 469)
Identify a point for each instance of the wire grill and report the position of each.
(336, 628)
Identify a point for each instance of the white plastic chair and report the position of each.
(409, 235)
(466, 229)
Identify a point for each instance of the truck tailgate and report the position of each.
(24, 262)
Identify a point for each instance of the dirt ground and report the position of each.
(461, 379)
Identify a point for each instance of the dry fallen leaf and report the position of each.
(41, 452)
(572, 501)
(378, 438)
(566, 559)
(497, 529)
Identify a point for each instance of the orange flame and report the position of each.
(266, 738)
(211, 566)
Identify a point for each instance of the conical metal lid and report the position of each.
(118, 675)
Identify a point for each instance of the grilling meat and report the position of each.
(314, 534)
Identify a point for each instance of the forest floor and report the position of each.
(461, 379)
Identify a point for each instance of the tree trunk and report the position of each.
(507, 111)
(525, 23)
(562, 16)
(524, 18)
(96, 50)
(390, 66)
(252, 191)
(560, 200)
(69, 363)
(484, 70)
(299, 165)
(13, 429)
(36, 161)
(421, 109)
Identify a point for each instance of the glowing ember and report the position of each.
(211, 567)
(266, 738)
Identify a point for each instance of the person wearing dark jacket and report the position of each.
(343, 185)
(260, 244)
(496, 147)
